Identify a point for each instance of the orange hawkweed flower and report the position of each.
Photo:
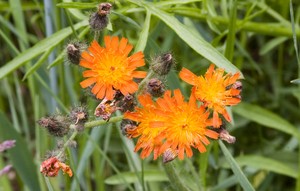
(51, 166)
(110, 68)
(215, 90)
(171, 123)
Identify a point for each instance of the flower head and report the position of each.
(215, 90)
(51, 166)
(110, 68)
(171, 122)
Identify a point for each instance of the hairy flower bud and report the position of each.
(155, 87)
(162, 64)
(79, 115)
(74, 50)
(99, 20)
(56, 125)
(169, 155)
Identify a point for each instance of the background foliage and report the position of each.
(258, 38)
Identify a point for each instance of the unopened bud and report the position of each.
(237, 85)
(55, 125)
(99, 20)
(225, 136)
(169, 155)
(74, 51)
(162, 64)
(155, 87)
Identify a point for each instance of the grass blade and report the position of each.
(244, 182)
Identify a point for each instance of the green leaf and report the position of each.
(265, 117)
(141, 44)
(130, 177)
(264, 163)
(20, 156)
(198, 44)
(244, 182)
(229, 50)
(38, 49)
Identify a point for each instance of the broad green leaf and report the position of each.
(198, 44)
(20, 155)
(264, 163)
(38, 49)
(265, 117)
(244, 182)
(130, 177)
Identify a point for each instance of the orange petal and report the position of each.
(87, 82)
(115, 43)
(127, 49)
(201, 148)
(178, 97)
(89, 73)
(101, 92)
(216, 120)
(188, 76)
(86, 56)
(212, 134)
(123, 44)
(86, 64)
(107, 41)
(139, 74)
(109, 93)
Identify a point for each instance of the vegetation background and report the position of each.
(258, 38)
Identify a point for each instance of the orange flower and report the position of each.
(110, 68)
(51, 166)
(215, 90)
(171, 123)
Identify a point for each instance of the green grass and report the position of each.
(259, 39)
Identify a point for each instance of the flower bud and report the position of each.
(225, 136)
(169, 155)
(162, 64)
(155, 87)
(55, 125)
(99, 20)
(127, 103)
(74, 50)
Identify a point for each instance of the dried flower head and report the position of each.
(170, 123)
(51, 167)
(215, 90)
(105, 109)
(110, 68)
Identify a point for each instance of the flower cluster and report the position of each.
(5, 145)
(164, 123)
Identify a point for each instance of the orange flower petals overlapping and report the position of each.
(110, 68)
(214, 90)
(170, 122)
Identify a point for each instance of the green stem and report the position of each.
(95, 123)
(174, 178)
(67, 143)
